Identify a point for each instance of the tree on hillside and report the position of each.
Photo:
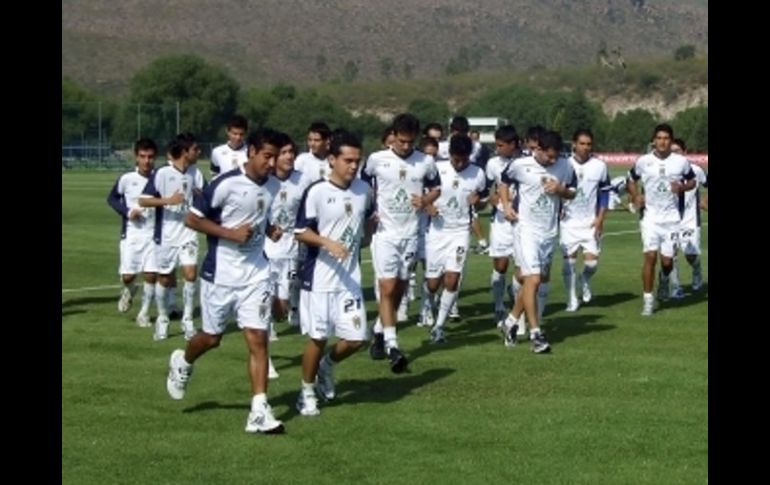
(631, 131)
(429, 111)
(295, 115)
(521, 105)
(350, 71)
(569, 111)
(206, 94)
(692, 125)
(80, 115)
(684, 52)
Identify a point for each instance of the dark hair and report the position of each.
(432, 126)
(386, 133)
(428, 140)
(144, 144)
(681, 144)
(284, 139)
(507, 133)
(341, 139)
(663, 127)
(460, 144)
(238, 121)
(535, 132)
(551, 139)
(321, 128)
(459, 124)
(406, 123)
(264, 136)
(582, 132)
(180, 143)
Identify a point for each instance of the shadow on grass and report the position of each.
(558, 329)
(690, 298)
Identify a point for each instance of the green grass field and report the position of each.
(621, 399)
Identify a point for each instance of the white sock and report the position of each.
(673, 276)
(448, 299)
(308, 388)
(377, 328)
(148, 293)
(189, 298)
(258, 401)
(161, 300)
(568, 272)
(391, 340)
(498, 289)
(427, 297)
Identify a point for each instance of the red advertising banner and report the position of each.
(628, 159)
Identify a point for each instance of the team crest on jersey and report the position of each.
(184, 185)
(580, 175)
(357, 322)
(348, 209)
(662, 171)
(322, 172)
(283, 196)
(260, 206)
(455, 183)
(402, 173)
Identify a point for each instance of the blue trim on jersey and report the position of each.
(603, 194)
(633, 175)
(202, 202)
(149, 189)
(429, 184)
(307, 267)
(117, 201)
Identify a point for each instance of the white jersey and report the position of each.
(124, 197)
(397, 180)
(454, 210)
(313, 167)
(224, 158)
(593, 185)
(539, 211)
(691, 214)
(443, 151)
(232, 200)
(661, 205)
(170, 229)
(494, 172)
(339, 214)
(284, 214)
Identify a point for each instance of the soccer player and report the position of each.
(689, 236)
(463, 185)
(334, 221)
(544, 180)
(232, 154)
(582, 221)
(170, 191)
(234, 213)
(137, 249)
(665, 177)
(501, 231)
(313, 162)
(400, 174)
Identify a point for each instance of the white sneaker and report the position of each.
(401, 314)
(572, 306)
(293, 318)
(677, 293)
(178, 375)
(648, 307)
(437, 335)
(427, 319)
(307, 404)
(521, 330)
(509, 335)
(161, 328)
(586, 292)
(262, 421)
(126, 298)
(697, 279)
(454, 312)
(273, 333)
(188, 327)
(143, 320)
(324, 381)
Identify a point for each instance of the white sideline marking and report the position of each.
(363, 261)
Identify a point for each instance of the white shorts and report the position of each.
(393, 258)
(169, 256)
(662, 237)
(534, 255)
(445, 252)
(501, 239)
(339, 313)
(572, 238)
(251, 305)
(137, 256)
(689, 240)
(283, 273)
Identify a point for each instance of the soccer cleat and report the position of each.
(401, 314)
(271, 372)
(273, 333)
(262, 420)
(426, 319)
(482, 248)
(324, 381)
(143, 320)
(697, 279)
(677, 293)
(307, 404)
(437, 335)
(663, 289)
(454, 312)
(178, 375)
(648, 307)
(500, 315)
(508, 330)
(539, 344)
(188, 327)
(572, 306)
(586, 292)
(377, 349)
(398, 361)
(161, 328)
(126, 298)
